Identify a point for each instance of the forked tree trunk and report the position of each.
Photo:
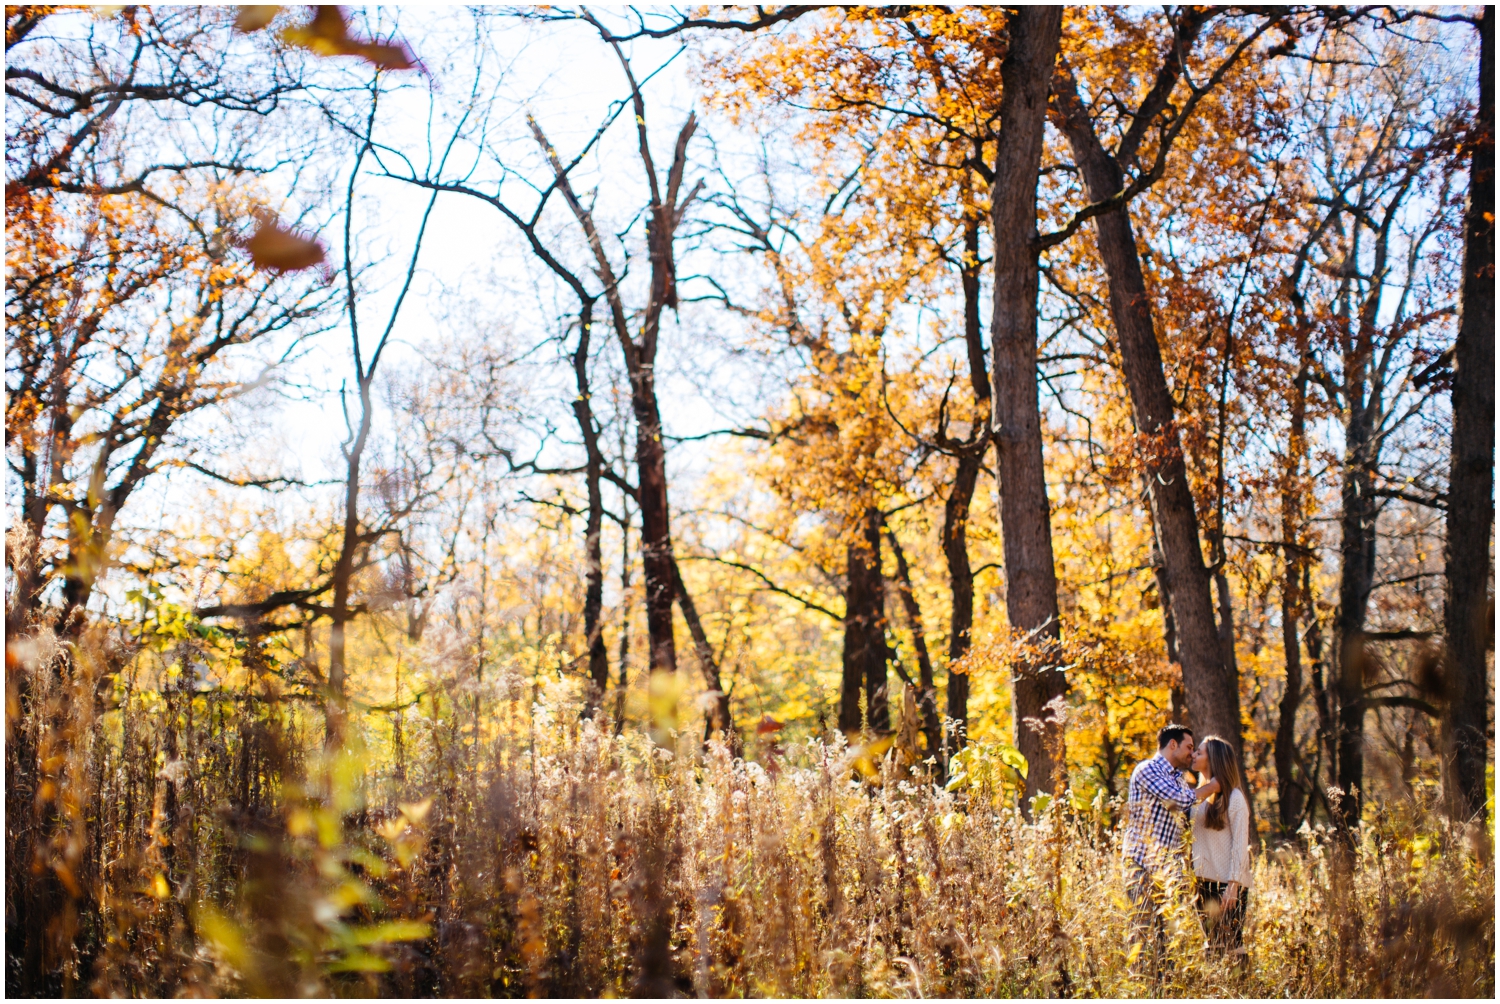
(1026, 531)
(1471, 483)
(1212, 690)
(663, 215)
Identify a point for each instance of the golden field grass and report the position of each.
(183, 843)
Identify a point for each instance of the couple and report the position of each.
(1160, 803)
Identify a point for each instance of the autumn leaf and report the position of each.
(255, 16)
(416, 811)
(276, 248)
(768, 725)
(327, 34)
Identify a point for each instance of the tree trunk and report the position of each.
(961, 583)
(1356, 579)
(927, 699)
(961, 498)
(1212, 690)
(1291, 793)
(625, 605)
(593, 596)
(1031, 579)
(1471, 509)
(718, 718)
(656, 534)
(864, 633)
(339, 613)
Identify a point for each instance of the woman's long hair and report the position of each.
(1223, 768)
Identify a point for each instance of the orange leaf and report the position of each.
(386, 55)
(280, 249)
(768, 724)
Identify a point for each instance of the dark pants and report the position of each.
(1224, 923)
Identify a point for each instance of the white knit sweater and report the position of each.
(1223, 855)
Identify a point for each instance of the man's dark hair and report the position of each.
(1171, 734)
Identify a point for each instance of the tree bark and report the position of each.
(1291, 793)
(656, 532)
(1356, 579)
(864, 633)
(718, 718)
(961, 584)
(1471, 509)
(593, 596)
(1031, 579)
(931, 724)
(663, 215)
(1212, 690)
(961, 498)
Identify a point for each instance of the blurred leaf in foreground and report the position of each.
(327, 34)
(255, 16)
(276, 248)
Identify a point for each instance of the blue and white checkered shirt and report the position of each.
(1159, 802)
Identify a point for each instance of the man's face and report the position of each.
(1179, 752)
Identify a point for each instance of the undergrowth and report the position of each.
(172, 842)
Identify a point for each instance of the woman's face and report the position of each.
(1200, 760)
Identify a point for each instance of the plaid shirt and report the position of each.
(1159, 802)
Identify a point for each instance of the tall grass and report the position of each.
(175, 842)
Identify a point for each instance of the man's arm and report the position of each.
(1167, 786)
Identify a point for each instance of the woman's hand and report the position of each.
(1206, 789)
(1231, 895)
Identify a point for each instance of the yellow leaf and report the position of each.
(416, 811)
(391, 930)
(225, 935)
(254, 17)
(327, 34)
(664, 691)
(392, 828)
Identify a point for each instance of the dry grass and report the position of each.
(179, 843)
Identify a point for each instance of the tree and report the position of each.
(1471, 508)
(834, 284)
(1030, 575)
(356, 536)
(1212, 690)
(926, 81)
(1358, 305)
(126, 328)
(667, 204)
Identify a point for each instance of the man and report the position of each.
(1159, 802)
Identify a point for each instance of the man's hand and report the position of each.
(1231, 896)
(1204, 790)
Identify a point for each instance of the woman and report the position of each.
(1221, 847)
